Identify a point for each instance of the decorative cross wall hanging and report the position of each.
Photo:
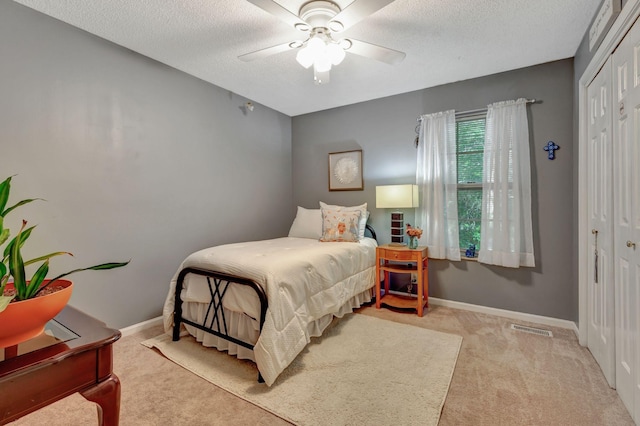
(551, 147)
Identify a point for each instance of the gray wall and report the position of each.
(135, 159)
(384, 130)
(583, 55)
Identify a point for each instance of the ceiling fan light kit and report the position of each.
(321, 51)
(320, 19)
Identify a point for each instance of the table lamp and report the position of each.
(397, 197)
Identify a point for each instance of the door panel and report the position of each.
(600, 293)
(626, 220)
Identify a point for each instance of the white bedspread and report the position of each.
(304, 280)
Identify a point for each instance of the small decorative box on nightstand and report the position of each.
(401, 260)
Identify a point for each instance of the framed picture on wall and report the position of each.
(345, 171)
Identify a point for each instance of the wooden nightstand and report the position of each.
(396, 259)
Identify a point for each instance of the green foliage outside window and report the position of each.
(469, 151)
(469, 212)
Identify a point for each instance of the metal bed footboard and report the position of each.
(215, 321)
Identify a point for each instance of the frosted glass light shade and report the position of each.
(321, 54)
(322, 63)
(336, 53)
(396, 196)
(316, 46)
(305, 57)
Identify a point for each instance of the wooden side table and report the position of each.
(33, 377)
(402, 260)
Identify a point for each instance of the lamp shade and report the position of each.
(396, 196)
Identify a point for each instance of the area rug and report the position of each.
(363, 370)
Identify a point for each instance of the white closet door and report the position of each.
(600, 292)
(627, 219)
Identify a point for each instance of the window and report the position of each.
(457, 155)
(469, 153)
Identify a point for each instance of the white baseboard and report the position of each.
(553, 322)
(140, 326)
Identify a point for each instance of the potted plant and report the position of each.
(27, 304)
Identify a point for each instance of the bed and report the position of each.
(264, 300)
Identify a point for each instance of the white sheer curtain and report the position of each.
(437, 182)
(506, 238)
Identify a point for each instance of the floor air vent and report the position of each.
(538, 331)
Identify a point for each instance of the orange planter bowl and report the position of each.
(23, 320)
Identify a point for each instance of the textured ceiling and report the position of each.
(445, 41)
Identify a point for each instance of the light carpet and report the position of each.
(362, 370)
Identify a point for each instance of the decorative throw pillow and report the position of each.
(307, 224)
(364, 215)
(339, 225)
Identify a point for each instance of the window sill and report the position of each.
(470, 259)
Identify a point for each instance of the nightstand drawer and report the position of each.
(395, 254)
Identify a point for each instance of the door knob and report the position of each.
(631, 245)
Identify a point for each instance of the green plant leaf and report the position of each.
(18, 204)
(46, 257)
(101, 267)
(37, 279)
(5, 189)
(25, 234)
(4, 302)
(4, 235)
(3, 278)
(16, 267)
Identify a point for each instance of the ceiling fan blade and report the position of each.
(263, 53)
(281, 13)
(355, 12)
(373, 51)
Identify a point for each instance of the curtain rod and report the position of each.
(479, 111)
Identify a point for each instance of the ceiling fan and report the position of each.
(321, 20)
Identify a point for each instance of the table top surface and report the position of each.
(70, 332)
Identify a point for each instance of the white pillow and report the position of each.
(364, 215)
(307, 224)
